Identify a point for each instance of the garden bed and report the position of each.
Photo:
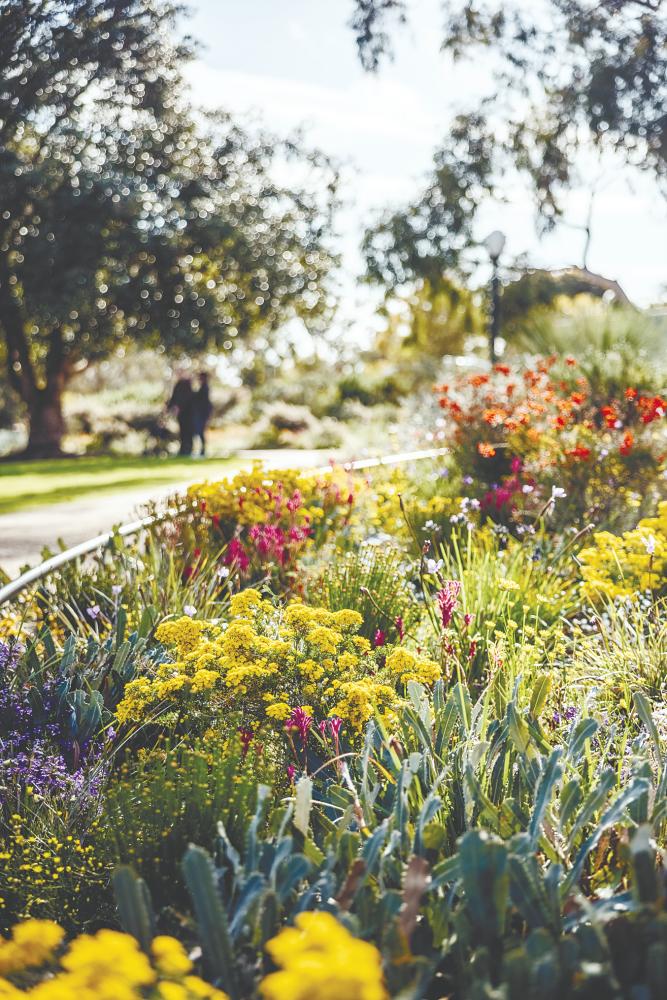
(396, 733)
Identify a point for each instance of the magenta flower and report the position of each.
(301, 721)
(237, 555)
(246, 734)
(379, 638)
(335, 725)
(447, 599)
(400, 628)
(291, 771)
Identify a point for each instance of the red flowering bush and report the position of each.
(519, 433)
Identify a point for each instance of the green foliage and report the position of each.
(371, 579)
(173, 795)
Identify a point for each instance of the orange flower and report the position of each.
(503, 369)
(570, 361)
(486, 450)
(478, 380)
(627, 443)
(630, 393)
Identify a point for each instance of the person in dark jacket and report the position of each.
(182, 400)
(202, 411)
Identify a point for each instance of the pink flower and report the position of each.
(295, 501)
(236, 554)
(301, 721)
(379, 638)
(400, 627)
(335, 725)
(467, 618)
(291, 771)
(447, 599)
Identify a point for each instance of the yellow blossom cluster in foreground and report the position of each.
(108, 965)
(275, 659)
(320, 960)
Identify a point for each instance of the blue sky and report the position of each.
(293, 62)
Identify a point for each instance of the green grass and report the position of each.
(32, 484)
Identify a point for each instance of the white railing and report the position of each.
(12, 589)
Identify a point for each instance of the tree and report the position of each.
(571, 75)
(570, 72)
(126, 216)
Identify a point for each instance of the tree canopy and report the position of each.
(571, 75)
(125, 215)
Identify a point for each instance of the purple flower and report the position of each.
(93, 612)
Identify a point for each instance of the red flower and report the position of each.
(630, 393)
(579, 454)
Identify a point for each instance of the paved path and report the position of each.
(25, 533)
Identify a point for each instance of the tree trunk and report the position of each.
(47, 424)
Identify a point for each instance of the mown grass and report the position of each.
(35, 483)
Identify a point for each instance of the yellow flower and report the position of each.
(278, 710)
(32, 943)
(108, 965)
(169, 956)
(321, 960)
(245, 602)
(184, 633)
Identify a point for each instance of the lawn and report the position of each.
(35, 483)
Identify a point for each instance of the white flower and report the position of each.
(432, 566)
(527, 488)
(558, 493)
(190, 610)
(223, 572)
(649, 544)
(116, 589)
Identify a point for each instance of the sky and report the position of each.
(294, 63)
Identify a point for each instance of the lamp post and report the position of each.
(494, 244)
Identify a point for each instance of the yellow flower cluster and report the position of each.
(405, 666)
(320, 960)
(106, 966)
(275, 659)
(622, 565)
(253, 497)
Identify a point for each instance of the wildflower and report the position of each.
(379, 638)
(486, 450)
(169, 956)
(627, 443)
(246, 735)
(32, 944)
(400, 627)
(301, 721)
(223, 572)
(291, 771)
(649, 544)
(433, 566)
(557, 493)
(117, 589)
(447, 599)
(319, 959)
(93, 612)
(335, 725)
(189, 610)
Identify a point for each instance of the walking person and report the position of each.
(182, 400)
(202, 411)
